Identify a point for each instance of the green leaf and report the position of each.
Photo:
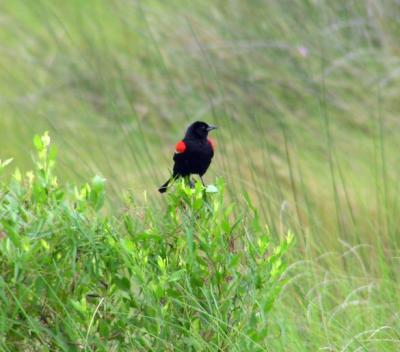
(176, 276)
(79, 306)
(97, 193)
(122, 283)
(98, 183)
(53, 153)
(211, 189)
(37, 141)
(46, 139)
(6, 162)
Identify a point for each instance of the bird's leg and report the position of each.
(201, 178)
(189, 181)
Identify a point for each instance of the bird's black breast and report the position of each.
(195, 159)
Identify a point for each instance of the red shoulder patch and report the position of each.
(212, 143)
(180, 147)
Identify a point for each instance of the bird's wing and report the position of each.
(180, 148)
(212, 144)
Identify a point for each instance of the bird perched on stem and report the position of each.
(193, 153)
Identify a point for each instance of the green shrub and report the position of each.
(195, 276)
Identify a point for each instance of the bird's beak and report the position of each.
(211, 127)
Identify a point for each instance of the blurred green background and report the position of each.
(306, 96)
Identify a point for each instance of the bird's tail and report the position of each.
(164, 187)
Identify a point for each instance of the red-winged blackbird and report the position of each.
(193, 154)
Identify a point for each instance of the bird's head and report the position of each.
(199, 130)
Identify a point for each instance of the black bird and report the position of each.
(193, 153)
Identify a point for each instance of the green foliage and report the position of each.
(193, 277)
(306, 95)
